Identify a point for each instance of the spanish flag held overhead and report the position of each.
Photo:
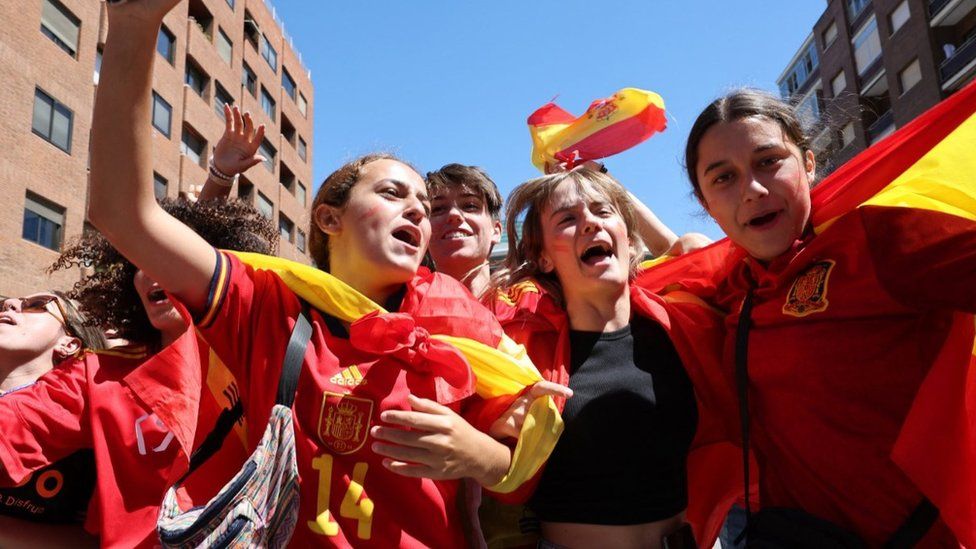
(608, 126)
(926, 168)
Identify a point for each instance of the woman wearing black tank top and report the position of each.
(617, 477)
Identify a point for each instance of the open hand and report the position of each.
(431, 441)
(237, 149)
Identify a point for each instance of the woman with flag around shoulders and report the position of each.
(378, 429)
(849, 321)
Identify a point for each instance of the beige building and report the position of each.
(209, 52)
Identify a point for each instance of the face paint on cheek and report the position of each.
(370, 213)
(560, 247)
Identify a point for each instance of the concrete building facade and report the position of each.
(209, 52)
(871, 66)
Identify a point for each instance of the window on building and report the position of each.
(838, 83)
(302, 149)
(909, 76)
(245, 190)
(800, 72)
(166, 44)
(285, 227)
(162, 114)
(867, 46)
(899, 16)
(264, 206)
(193, 146)
(301, 194)
(855, 7)
(52, 120)
(224, 46)
(302, 105)
(249, 80)
(830, 34)
(230, 3)
(198, 13)
(287, 178)
(267, 103)
(808, 110)
(98, 65)
(268, 53)
(60, 25)
(195, 78)
(269, 153)
(221, 97)
(160, 186)
(288, 83)
(288, 132)
(847, 135)
(300, 240)
(43, 222)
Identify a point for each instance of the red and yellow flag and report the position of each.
(929, 164)
(608, 126)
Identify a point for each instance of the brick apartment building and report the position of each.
(869, 67)
(209, 52)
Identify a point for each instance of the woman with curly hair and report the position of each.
(118, 402)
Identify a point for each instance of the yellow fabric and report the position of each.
(505, 370)
(550, 139)
(940, 181)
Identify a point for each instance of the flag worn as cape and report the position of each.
(608, 126)
(928, 164)
(501, 373)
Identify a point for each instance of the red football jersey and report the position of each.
(845, 329)
(88, 403)
(347, 497)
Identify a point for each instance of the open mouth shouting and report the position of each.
(409, 235)
(597, 253)
(764, 220)
(157, 296)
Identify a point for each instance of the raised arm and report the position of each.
(121, 203)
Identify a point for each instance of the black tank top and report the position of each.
(628, 427)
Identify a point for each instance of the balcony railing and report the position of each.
(935, 6)
(879, 126)
(963, 55)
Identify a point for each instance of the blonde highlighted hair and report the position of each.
(526, 203)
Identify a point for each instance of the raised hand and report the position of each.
(237, 149)
(431, 441)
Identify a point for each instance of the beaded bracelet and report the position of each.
(220, 177)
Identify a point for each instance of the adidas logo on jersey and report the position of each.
(348, 377)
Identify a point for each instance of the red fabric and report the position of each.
(88, 404)
(833, 380)
(616, 138)
(341, 393)
(532, 318)
(397, 334)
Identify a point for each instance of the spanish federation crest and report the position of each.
(344, 422)
(809, 292)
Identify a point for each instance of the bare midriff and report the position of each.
(634, 536)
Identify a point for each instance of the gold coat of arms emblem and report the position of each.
(808, 294)
(344, 422)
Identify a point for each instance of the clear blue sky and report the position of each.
(454, 80)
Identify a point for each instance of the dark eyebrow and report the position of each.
(759, 149)
(714, 165)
